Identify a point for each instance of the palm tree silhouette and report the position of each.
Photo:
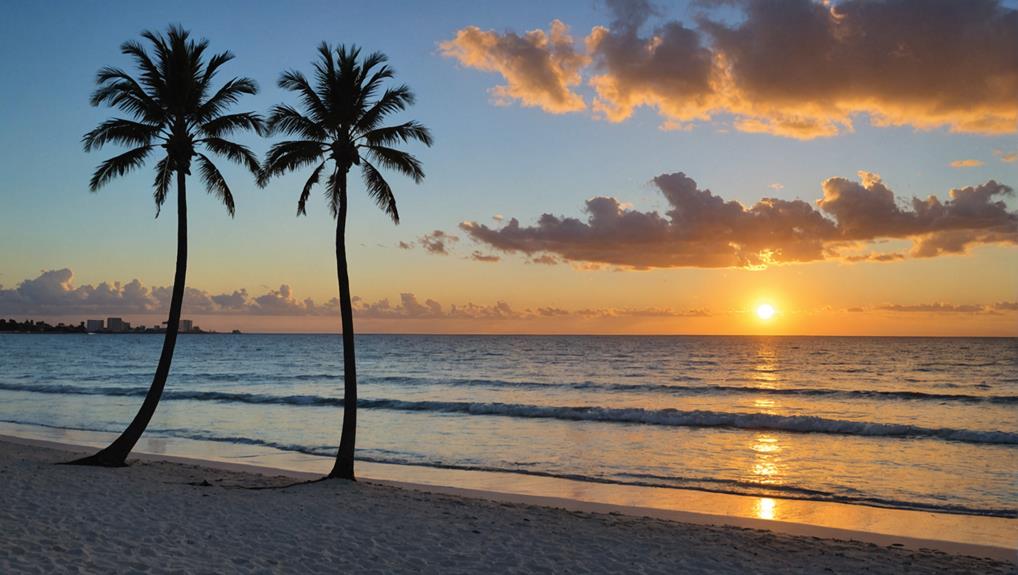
(173, 107)
(341, 121)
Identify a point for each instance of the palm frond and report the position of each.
(215, 183)
(397, 160)
(369, 86)
(405, 133)
(312, 181)
(227, 95)
(164, 176)
(120, 131)
(230, 123)
(233, 152)
(118, 166)
(213, 65)
(286, 120)
(119, 90)
(379, 190)
(393, 100)
(150, 75)
(334, 193)
(296, 82)
(289, 156)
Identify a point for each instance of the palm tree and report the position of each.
(172, 107)
(341, 124)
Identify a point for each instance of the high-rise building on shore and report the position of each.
(94, 325)
(117, 324)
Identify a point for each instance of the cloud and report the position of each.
(482, 257)
(409, 307)
(701, 229)
(1006, 157)
(670, 69)
(876, 257)
(805, 68)
(966, 163)
(867, 210)
(540, 69)
(544, 260)
(405, 245)
(437, 242)
(936, 308)
(795, 68)
(776, 186)
(53, 293)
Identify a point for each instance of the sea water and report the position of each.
(912, 423)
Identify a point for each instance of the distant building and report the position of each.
(117, 324)
(186, 325)
(94, 325)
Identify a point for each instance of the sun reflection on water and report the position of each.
(766, 468)
(765, 508)
(765, 371)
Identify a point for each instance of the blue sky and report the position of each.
(487, 159)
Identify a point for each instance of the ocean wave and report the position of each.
(706, 484)
(705, 389)
(593, 386)
(659, 417)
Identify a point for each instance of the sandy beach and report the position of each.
(165, 517)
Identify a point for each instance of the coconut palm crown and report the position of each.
(173, 108)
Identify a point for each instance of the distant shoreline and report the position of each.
(591, 335)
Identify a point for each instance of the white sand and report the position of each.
(161, 517)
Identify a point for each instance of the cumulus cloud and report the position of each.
(53, 293)
(867, 210)
(540, 68)
(966, 164)
(670, 69)
(701, 229)
(438, 242)
(795, 68)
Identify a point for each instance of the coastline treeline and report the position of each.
(32, 326)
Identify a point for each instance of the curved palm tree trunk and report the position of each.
(343, 468)
(116, 454)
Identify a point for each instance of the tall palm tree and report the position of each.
(340, 126)
(173, 111)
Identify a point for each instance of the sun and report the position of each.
(765, 311)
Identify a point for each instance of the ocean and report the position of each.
(908, 423)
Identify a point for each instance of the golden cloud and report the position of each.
(540, 69)
(701, 229)
(794, 68)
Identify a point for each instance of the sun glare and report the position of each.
(765, 311)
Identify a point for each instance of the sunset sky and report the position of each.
(598, 167)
